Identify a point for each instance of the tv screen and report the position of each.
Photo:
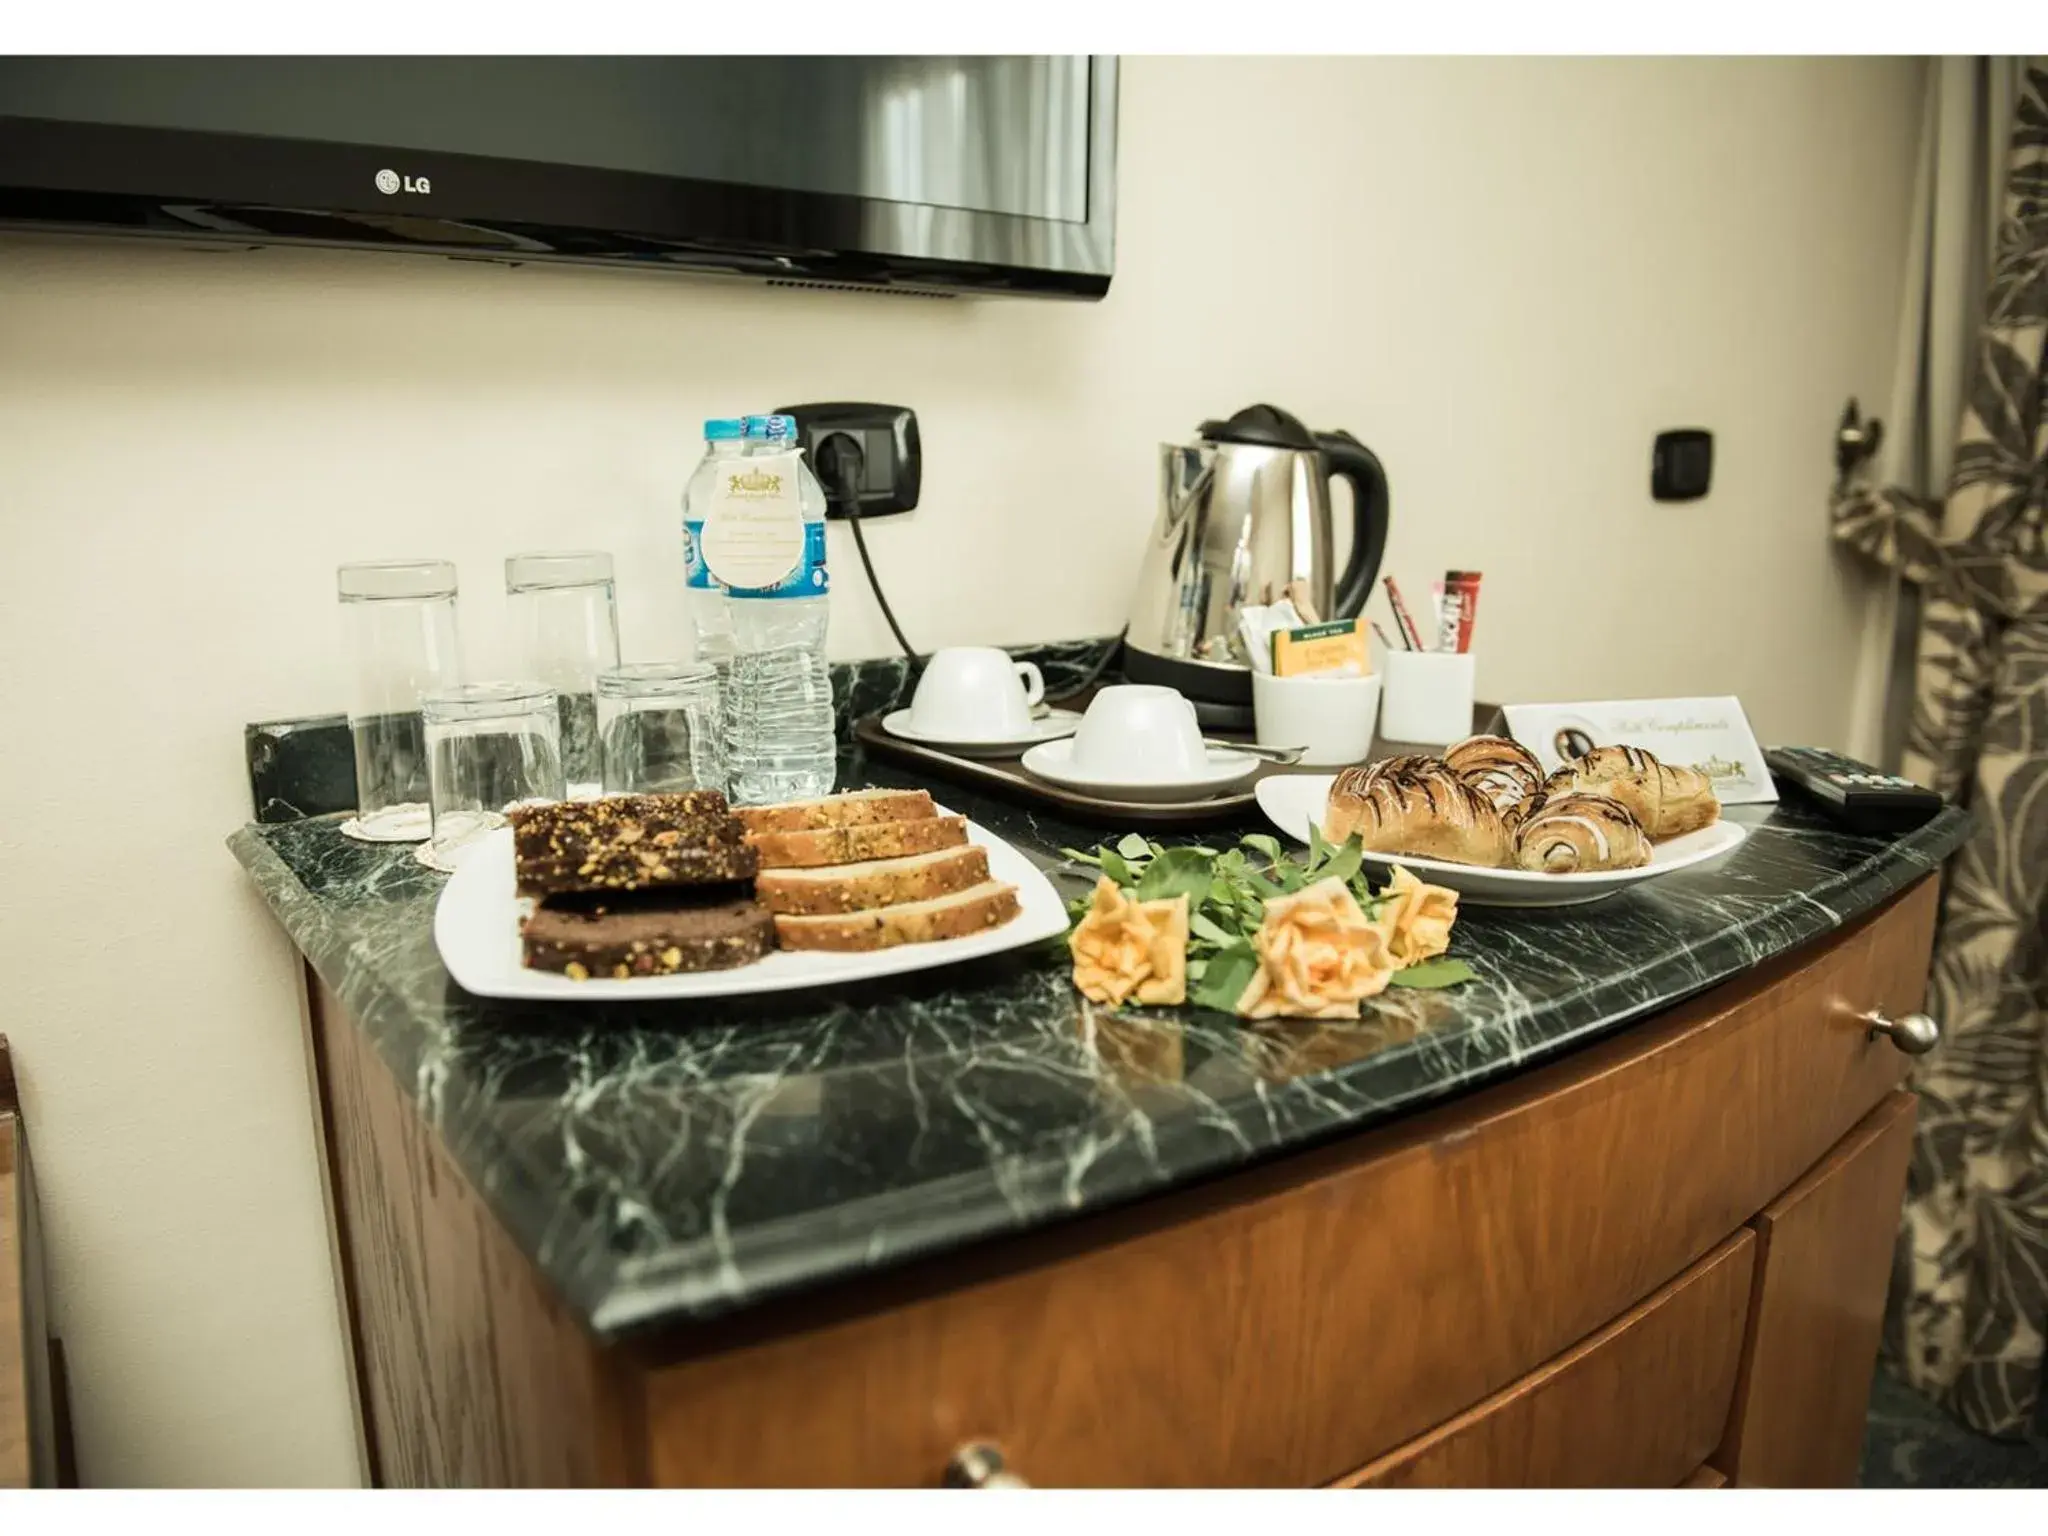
(941, 172)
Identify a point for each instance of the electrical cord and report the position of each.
(839, 462)
(1093, 675)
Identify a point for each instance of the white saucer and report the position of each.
(1050, 726)
(1054, 762)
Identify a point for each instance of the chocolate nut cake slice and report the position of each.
(629, 843)
(645, 933)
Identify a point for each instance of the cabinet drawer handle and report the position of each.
(980, 1465)
(1914, 1033)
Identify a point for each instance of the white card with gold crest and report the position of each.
(1712, 735)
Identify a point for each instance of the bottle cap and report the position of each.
(774, 429)
(721, 429)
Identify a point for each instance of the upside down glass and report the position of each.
(491, 746)
(565, 623)
(659, 723)
(398, 623)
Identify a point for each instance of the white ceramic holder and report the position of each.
(1331, 717)
(1428, 697)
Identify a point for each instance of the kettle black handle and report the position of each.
(1352, 460)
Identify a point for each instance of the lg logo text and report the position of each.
(389, 182)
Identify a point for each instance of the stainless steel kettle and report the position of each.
(1243, 513)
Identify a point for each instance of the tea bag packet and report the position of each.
(1335, 649)
(1256, 626)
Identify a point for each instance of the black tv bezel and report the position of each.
(247, 189)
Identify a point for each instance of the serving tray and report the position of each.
(1006, 776)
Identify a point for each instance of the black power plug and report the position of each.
(882, 443)
(868, 460)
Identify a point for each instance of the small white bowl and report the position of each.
(1332, 717)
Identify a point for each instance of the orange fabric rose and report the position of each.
(1137, 950)
(1417, 918)
(1319, 956)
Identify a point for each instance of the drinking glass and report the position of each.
(398, 624)
(565, 623)
(659, 724)
(491, 746)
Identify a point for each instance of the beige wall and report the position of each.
(1504, 276)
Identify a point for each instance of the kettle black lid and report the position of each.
(1261, 426)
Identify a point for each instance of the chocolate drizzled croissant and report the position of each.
(1666, 800)
(1574, 832)
(1504, 771)
(1416, 805)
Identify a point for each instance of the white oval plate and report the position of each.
(1294, 802)
(1050, 726)
(476, 928)
(1054, 762)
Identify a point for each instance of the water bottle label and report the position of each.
(809, 579)
(697, 575)
(753, 537)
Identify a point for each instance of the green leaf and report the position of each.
(1196, 969)
(1117, 870)
(1132, 846)
(1318, 849)
(1177, 872)
(1205, 927)
(1263, 886)
(1344, 862)
(1225, 977)
(1265, 843)
(1432, 974)
(1232, 863)
(1081, 858)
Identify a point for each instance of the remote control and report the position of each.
(1854, 793)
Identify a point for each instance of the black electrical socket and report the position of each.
(875, 445)
(1681, 464)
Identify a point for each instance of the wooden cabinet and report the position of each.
(1566, 1278)
(1824, 1253)
(32, 1449)
(1639, 1404)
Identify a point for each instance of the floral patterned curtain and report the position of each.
(1969, 1302)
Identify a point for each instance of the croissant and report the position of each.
(1416, 805)
(1576, 832)
(1504, 771)
(1667, 801)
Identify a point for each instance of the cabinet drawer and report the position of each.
(1292, 1323)
(1823, 1265)
(1639, 1404)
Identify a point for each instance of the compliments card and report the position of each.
(1712, 735)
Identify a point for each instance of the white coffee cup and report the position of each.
(1428, 698)
(1140, 733)
(975, 693)
(1332, 717)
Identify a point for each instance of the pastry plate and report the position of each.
(1294, 802)
(476, 928)
(1054, 762)
(1050, 726)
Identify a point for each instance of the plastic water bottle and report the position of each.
(710, 624)
(779, 742)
